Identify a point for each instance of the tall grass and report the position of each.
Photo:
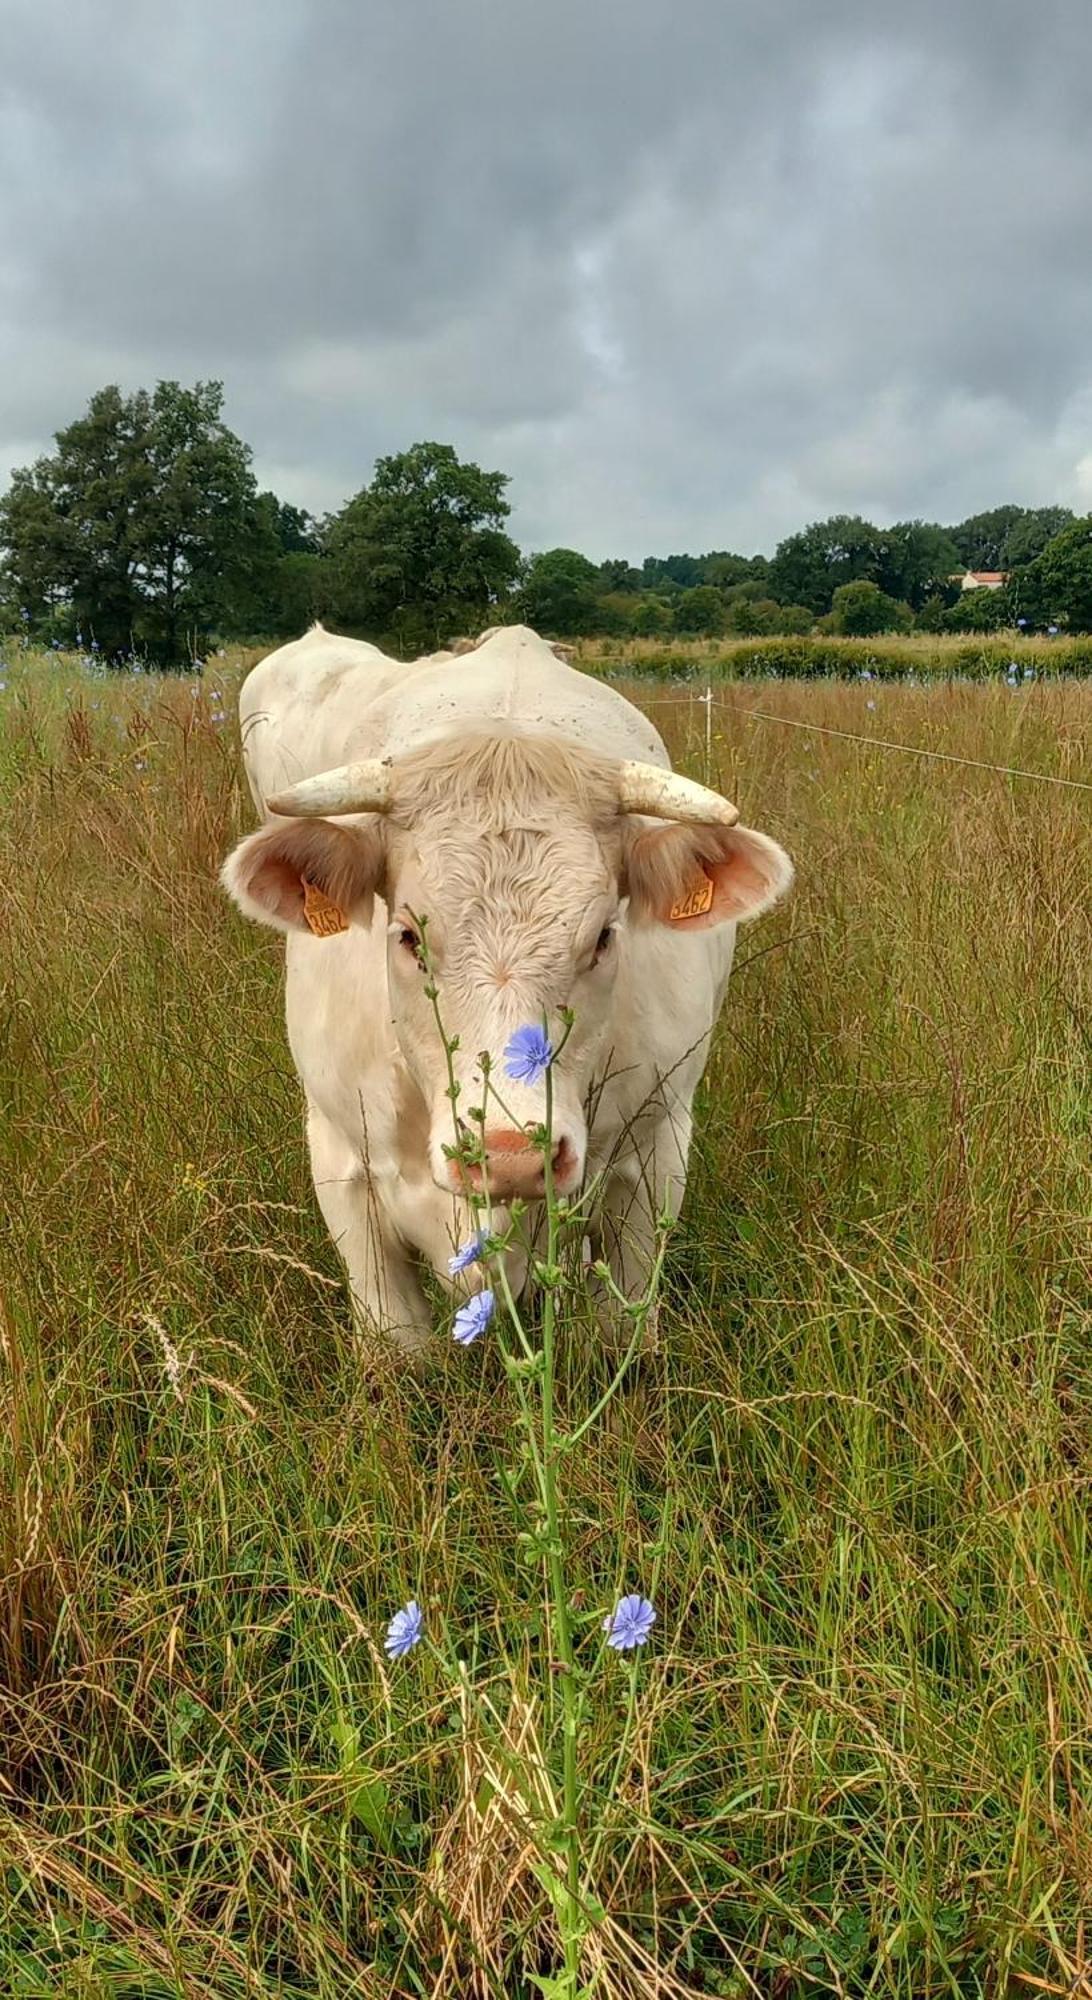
(855, 1476)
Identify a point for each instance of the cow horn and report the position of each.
(648, 788)
(351, 788)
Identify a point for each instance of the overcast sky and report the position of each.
(693, 272)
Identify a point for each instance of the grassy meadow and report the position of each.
(855, 1476)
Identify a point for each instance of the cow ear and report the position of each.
(269, 873)
(691, 877)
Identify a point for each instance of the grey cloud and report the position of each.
(690, 274)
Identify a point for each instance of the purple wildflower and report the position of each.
(469, 1254)
(528, 1055)
(404, 1630)
(473, 1318)
(630, 1623)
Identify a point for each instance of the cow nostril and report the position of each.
(564, 1159)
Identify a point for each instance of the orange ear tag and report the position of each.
(322, 917)
(697, 900)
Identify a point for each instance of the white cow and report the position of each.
(529, 815)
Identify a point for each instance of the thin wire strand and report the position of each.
(881, 742)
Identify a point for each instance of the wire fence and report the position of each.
(709, 698)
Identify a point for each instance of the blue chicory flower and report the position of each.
(404, 1630)
(467, 1255)
(473, 1318)
(1053, 631)
(630, 1623)
(528, 1055)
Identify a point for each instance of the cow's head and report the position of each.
(525, 862)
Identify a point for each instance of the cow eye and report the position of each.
(409, 941)
(603, 941)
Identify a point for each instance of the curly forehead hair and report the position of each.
(503, 781)
(516, 839)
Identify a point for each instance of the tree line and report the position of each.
(144, 535)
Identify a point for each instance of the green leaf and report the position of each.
(366, 1794)
(369, 1802)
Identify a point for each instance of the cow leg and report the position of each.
(639, 1193)
(387, 1298)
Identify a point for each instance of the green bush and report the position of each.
(942, 657)
(978, 611)
(862, 608)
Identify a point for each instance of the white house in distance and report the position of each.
(980, 579)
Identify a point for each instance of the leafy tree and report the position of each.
(917, 558)
(1057, 587)
(617, 575)
(614, 613)
(558, 593)
(652, 617)
(809, 567)
(1008, 537)
(981, 538)
(859, 609)
(421, 553)
(753, 616)
(748, 591)
(296, 531)
(724, 570)
(932, 614)
(671, 572)
(199, 535)
(38, 547)
(1028, 537)
(700, 611)
(794, 619)
(143, 522)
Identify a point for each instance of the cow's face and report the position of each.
(491, 930)
(510, 880)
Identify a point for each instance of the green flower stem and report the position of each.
(619, 1766)
(640, 1311)
(530, 1353)
(573, 1925)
